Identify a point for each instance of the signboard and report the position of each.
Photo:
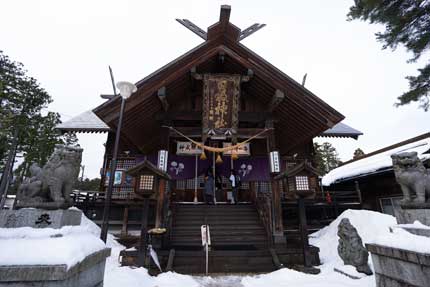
(206, 236)
(162, 160)
(117, 180)
(242, 150)
(275, 165)
(187, 148)
(220, 103)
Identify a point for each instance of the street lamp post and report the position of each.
(126, 89)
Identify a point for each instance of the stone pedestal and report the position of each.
(39, 218)
(87, 273)
(398, 268)
(409, 213)
(417, 231)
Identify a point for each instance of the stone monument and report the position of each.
(50, 187)
(351, 248)
(414, 180)
(43, 201)
(396, 266)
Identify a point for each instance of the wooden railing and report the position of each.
(264, 207)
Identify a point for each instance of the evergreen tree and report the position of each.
(22, 101)
(326, 157)
(358, 153)
(88, 184)
(407, 22)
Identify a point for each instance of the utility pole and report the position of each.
(7, 171)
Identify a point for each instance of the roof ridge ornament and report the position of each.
(224, 21)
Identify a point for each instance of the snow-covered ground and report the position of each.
(372, 227)
(369, 225)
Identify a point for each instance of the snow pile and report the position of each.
(416, 224)
(402, 239)
(115, 275)
(369, 225)
(376, 162)
(287, 278)
(47, 246)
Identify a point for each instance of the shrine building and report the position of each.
(217, 108)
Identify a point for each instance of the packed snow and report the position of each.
(27, 246)
(371, 226)
(403, 239)
(376, 162)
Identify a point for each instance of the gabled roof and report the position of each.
(301, 115)
(304, 165)
(378, 161)
(84, 122)
(146, 165)
(342, 130)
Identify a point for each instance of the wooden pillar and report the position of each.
(161, 183)
(143, 233)
(278, 228)
(160, 203)
(124, 229)
(304, 231)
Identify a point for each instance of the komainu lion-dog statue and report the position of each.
(50, 187)
(412, 176)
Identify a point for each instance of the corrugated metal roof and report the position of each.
(342, 130)
(85, 122)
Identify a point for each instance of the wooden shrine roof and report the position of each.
(300, 116)
(147, 167)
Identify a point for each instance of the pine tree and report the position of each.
(358, 153)
(407, 22)
(22, 102)
(326, 157)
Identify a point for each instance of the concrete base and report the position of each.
(88, 273)
(409, 215)
(399, 268)
(39, 218)
(418, 231)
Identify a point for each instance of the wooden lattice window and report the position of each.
(146, 182)
(302, 183)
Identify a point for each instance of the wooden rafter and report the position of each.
(193, 28)
(250, 30)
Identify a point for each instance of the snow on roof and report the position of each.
(341, 130)
(85, 122)
(377, 162)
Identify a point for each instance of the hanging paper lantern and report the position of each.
(203, 156)
(218, 159)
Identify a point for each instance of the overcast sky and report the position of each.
(68, 45)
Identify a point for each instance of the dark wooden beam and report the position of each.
(224, 16)
(107, 96)
(250, 30)
(196, 132)
(161, 93)
(251, 117)
(277, 98)
(193, 28)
